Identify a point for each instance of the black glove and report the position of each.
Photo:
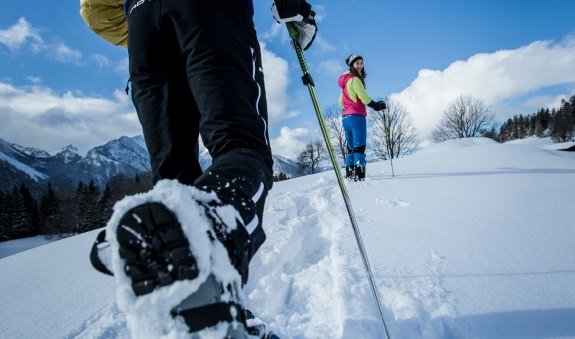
(377, 105)
(300, 14)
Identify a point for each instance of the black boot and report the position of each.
(360, 172)
(350, 172)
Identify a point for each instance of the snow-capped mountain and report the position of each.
(67, 167)
(123, 155)
(286, 166)
(64, 169)
(19, 167)
(32, 151)
(68, 154)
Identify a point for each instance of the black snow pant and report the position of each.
(195, 68)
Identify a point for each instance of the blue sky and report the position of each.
(60, 84)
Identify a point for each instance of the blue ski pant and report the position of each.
(354, 126)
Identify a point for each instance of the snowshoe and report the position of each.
(100, 255)
(174, 277)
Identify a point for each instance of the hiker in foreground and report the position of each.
(180, 252)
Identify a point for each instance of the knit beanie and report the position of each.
(352, 58)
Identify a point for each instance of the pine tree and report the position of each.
(31, 211)
(517, 127)
(66, 221)
(142, 183)
(281, 176)
(572, 109)
(88, 209)
(5, 225)
(540, 123)
(19, 219)
(563, 123)
(491, 134)
(105, 207)
(50, 207)
(82, 206)
(506, 131)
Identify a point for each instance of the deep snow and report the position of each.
(471, 239)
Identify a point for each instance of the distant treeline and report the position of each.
(61, 214)
(559, 124)
(57, 215)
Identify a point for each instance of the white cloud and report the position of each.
(36, 115)
(546, 101)
(492, 77)
(276, 71)
(331, 67)
(24, 34)
(59, 51)
(322, 46)
(18, 34)
(123, 66)
(39, 117)
(505, 110)
(292, 141)
(100, 60)
(34, 80)
(275, 30)
(320, 12)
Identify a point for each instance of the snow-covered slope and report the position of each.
(471, 239)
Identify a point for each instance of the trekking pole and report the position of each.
(308, 81)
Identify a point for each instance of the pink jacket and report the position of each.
(350, 106)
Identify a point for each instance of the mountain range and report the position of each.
(35, 167)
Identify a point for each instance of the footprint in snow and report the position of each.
(393, 202)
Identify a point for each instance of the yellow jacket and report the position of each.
(106, 18)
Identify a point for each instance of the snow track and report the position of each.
(416, 305)
(109, 323)
(309, 267)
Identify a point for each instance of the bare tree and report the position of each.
(332, 116)
(466, 117)
(313, 154)
(392, 133)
